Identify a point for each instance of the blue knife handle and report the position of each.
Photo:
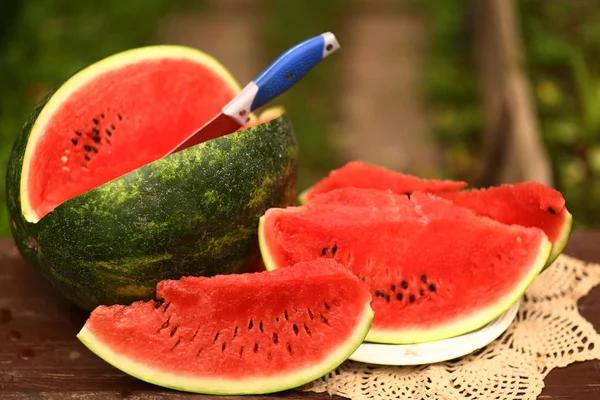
(281, 74)
(290, 67)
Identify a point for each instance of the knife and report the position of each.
(278, 77)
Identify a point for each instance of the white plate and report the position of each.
(432, 352)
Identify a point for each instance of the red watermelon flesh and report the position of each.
(237, 334)
(435, 270)
(360, 174)
(529, 204)
(108, 123)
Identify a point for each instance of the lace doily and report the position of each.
(547, 333)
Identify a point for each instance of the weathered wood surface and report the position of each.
(40, 358)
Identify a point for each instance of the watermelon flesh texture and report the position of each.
(360, 174)
(237, 334)
(529, 204)
(434, 270)
(110, 125)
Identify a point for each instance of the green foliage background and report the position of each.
(43, 42)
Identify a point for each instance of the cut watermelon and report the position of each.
(529, 204)
(435, 270)
(363, 175)
(237, 334)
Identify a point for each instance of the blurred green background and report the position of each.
(404, 91)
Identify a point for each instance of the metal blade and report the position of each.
(219, 126)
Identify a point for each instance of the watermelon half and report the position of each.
(360, 174)
(237, 334)
(529, 204)
(435, 270)
(100, 213)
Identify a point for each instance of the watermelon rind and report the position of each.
(559, 244)
(462, 324)
(54, 101)
(221, 386)
(194, 212)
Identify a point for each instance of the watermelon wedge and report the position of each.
(237, 334)
(529, 204)
(360, 174)
(435, 270)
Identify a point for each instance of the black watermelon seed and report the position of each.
(407, 194)
(334, 249)
(285, 314)
(167, 306)
(255, 347)
(241, 350)
(393, 287)
(78, 133)
(432, 287)
(377, 293)
(250, 324)
(310, 314)
(102, 115)
(96, 139)
(327, 306)
(216, 337)
(120, 117)
(324, 251)
(421, 292)
(275, 338)
(96, 121)
(96, 131)
(260, 326)
(399, 296)
(74, 141)
(87, 147)
(223, 347)
(423, 278)
(95, 149)
(387, 298)
(108, 132)
(295, 328)
(87, 157)
(235, 331)
(307, 329)
(404, 285)
(112, 126)
(552, 211)
(174, 330)
(411, 298)
(289, 349)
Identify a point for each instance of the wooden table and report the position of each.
(40, 358)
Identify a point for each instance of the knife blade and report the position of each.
(275, 79)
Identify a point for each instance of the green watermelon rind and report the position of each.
(242, 386)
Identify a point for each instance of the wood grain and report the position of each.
(40, 358)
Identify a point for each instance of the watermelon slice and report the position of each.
(435, 270)
(237, 334)
(530, 204)
(360, 174)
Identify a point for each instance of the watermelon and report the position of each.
(99, 211)
(530, 204)
(237, 334)
(360, 174)
(435, 270)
